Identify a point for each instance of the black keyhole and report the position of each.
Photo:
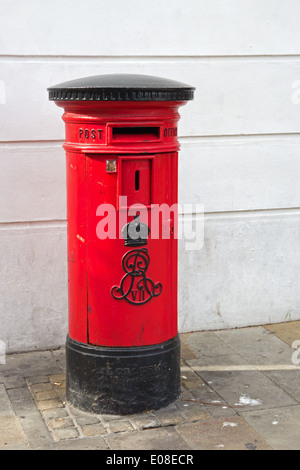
(137, 180)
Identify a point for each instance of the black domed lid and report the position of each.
(121, 87)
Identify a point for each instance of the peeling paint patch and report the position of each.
(80, 238)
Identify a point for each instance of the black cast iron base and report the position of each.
(122, 381)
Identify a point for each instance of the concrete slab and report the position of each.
(287, 331)
(34, 427)
(11, 432)
(150, 439)
(222, 434)
(280, 427)
(30, 364)
(247, 389)
(257, 345)
(288, 380)
(218, 360)
(202, 393)
(205, 343)
(5, 404)
(89, 443)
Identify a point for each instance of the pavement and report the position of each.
(240, 391)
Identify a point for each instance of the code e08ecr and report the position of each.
(171, 459)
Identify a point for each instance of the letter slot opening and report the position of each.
(135, 134)
(137, 180)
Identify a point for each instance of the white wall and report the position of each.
(240, 141)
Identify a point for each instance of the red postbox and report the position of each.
(122, 348)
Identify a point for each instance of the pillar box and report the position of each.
(122, 347)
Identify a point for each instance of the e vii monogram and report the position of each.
(135, 287)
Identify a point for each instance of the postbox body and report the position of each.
(108, 181)
(121, 148)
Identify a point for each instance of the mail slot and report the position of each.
(134, 134)
(136, 180)
(122, 347)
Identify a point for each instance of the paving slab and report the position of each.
(15, 447)
(30, 364)
(143, 421)
(257, 345)
(11, 432)
(247, 389)
(149, 439)
(201, 392)
(33, 425)
(5, 404)
(192, 410)
(37, 379)
(288, 380)
(186, 351)
(60, 358)
(167, 417)
(89, 443)
(204, 343)
(83, 420)
(222, 434)
(65, 433)
(209, 362)
(93, 429)
(287, 331)
(14, 382)
(280, 427)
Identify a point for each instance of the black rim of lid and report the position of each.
(123, 87)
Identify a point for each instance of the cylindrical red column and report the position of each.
(123, 349)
